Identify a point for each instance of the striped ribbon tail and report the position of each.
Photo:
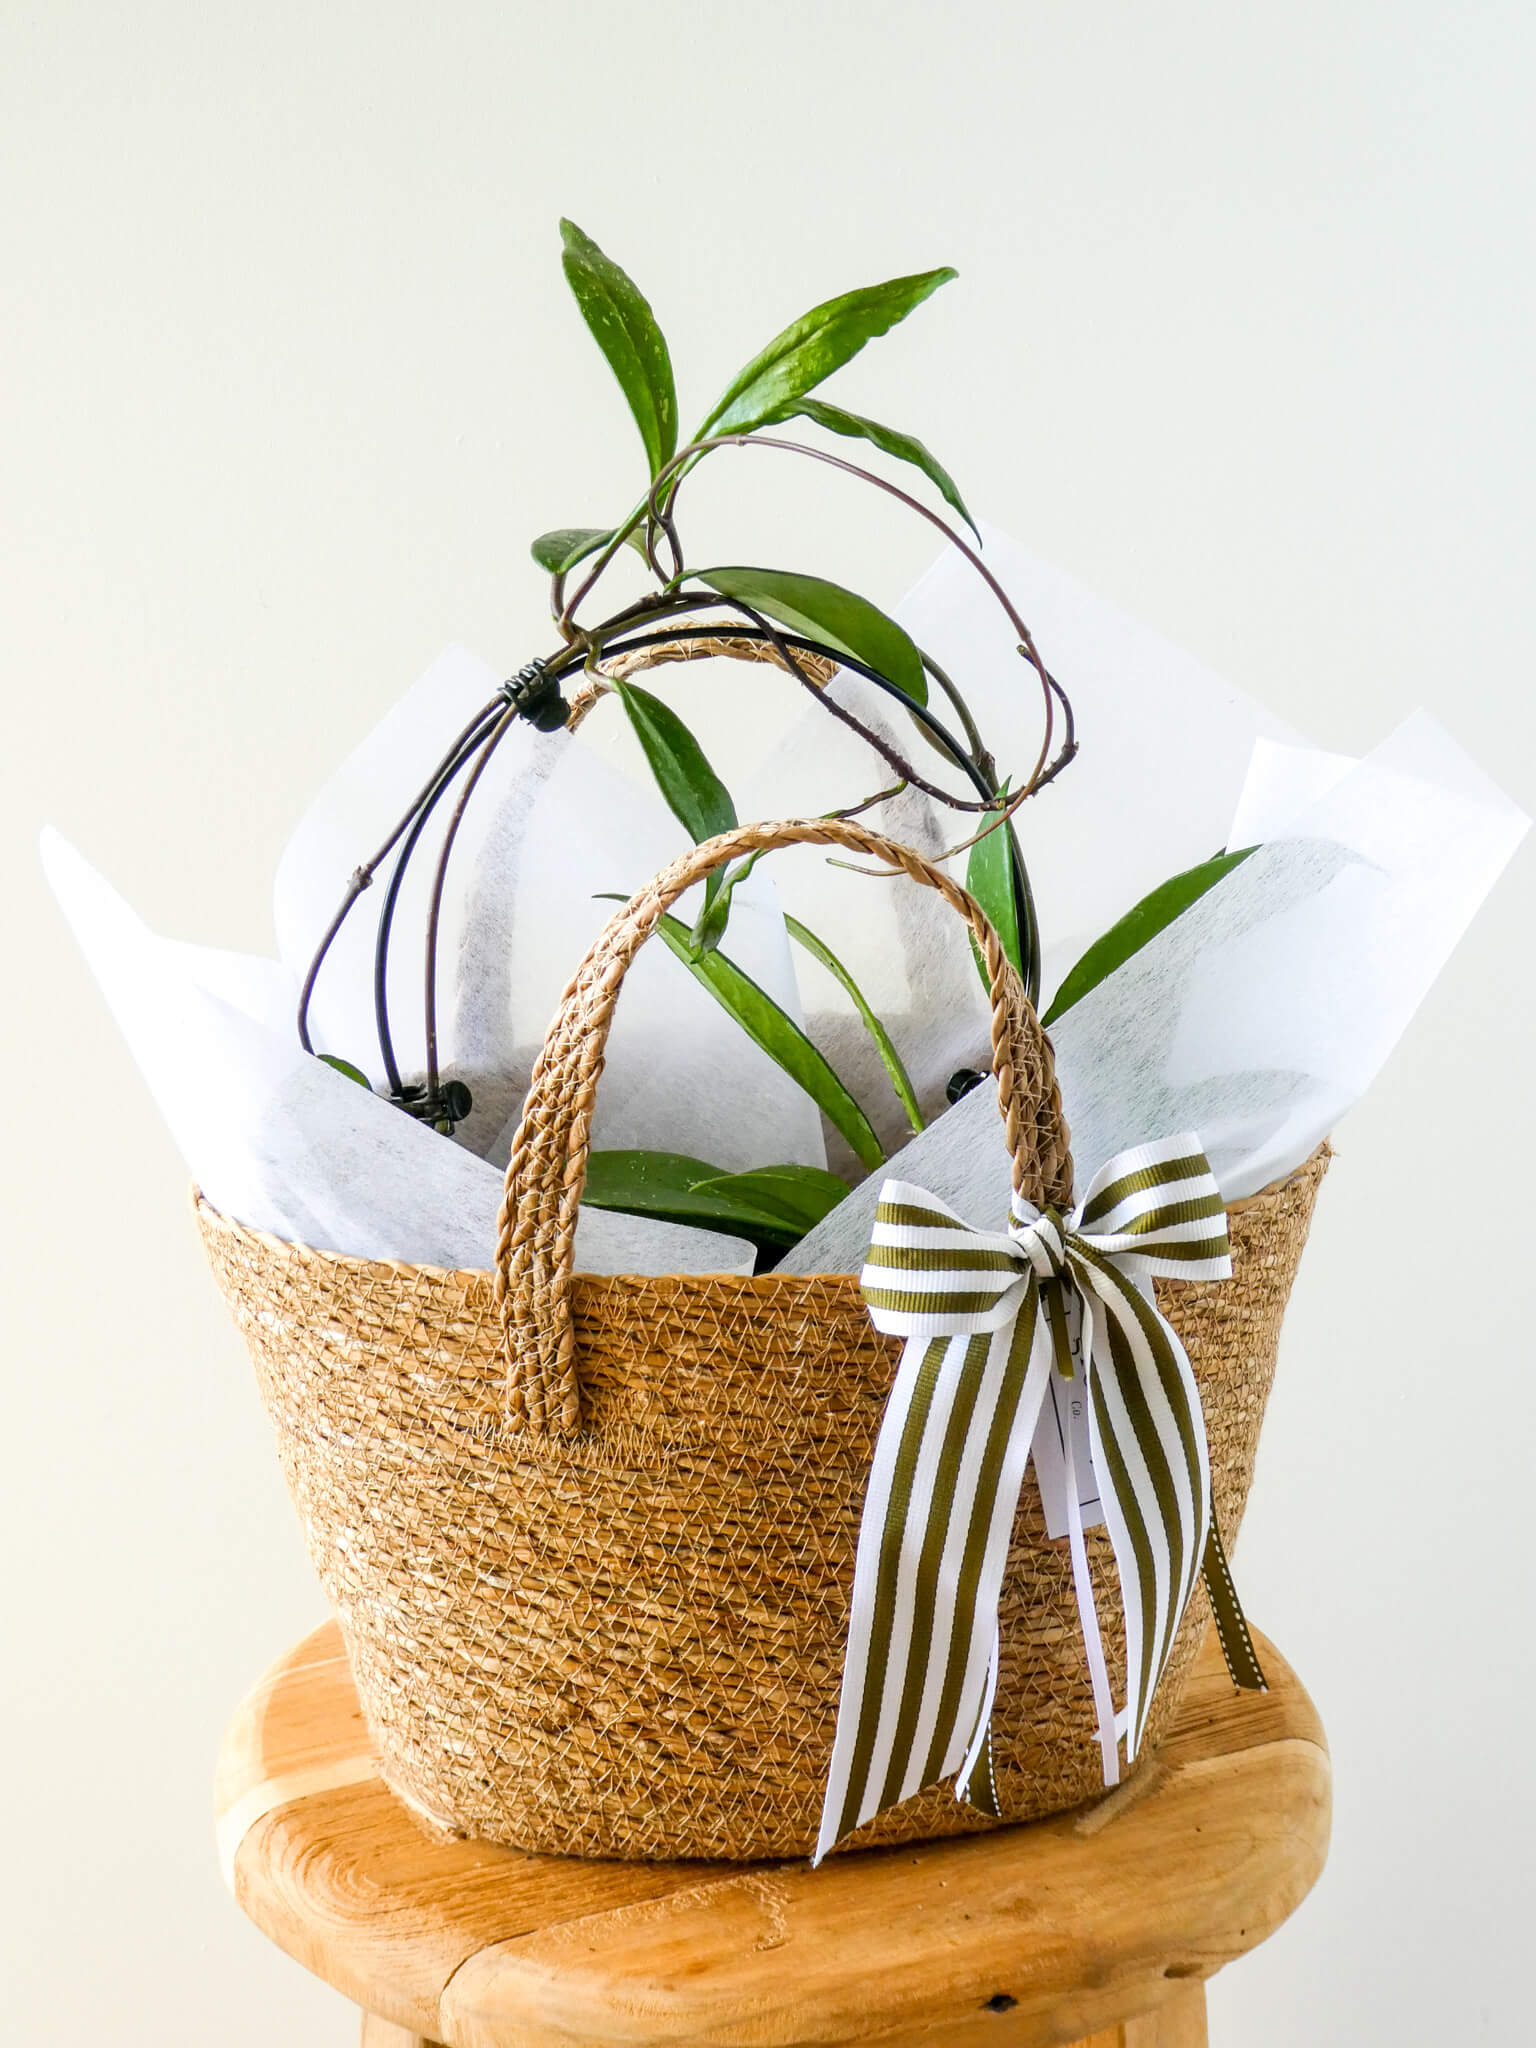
(932, 1546)
(1149, 1453)
(984, 1316)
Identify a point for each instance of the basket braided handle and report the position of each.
(536, 1229)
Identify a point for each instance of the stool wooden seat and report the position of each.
(1096, 1928)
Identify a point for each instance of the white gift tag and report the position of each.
(1066, 1409)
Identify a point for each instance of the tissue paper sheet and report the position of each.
(1095, 840)
(281, 1141)
(551, 830)
(905, 947)
(1165, 742)
(1257, 1018)
(345, 824)
(1263, 1012)
(680, 1075)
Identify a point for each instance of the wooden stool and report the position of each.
(1095, 1928)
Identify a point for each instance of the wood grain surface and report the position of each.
(1094, 1928)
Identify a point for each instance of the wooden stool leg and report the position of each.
(1178, 2024)
(385, 2034)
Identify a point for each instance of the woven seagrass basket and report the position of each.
(591, 1540)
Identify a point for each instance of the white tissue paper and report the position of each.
(1256, 1018)
(1165, 741)
(550, 831)
(283, 1143)
(680, 1075)
(345, 825)
(1094, 841)
(904, 946)
(1263, 1012)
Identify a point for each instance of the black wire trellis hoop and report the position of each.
(535, 694)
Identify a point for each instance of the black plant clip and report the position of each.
(443, 1107)
(534, 694)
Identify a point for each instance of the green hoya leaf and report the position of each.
(839, 618)
(662, 1184)
(815, 345)
(904, 447)
(709, 926)
(625, 329)
(890, 1058)
(1139, 926)
(779, 1036)
(346, 1067)
(773, 1207)
(801, 1194)
(694, 793)
(989, 878)
(563, 547)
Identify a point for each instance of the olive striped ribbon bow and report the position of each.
(987, 1318)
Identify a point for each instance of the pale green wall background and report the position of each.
(1243, 338)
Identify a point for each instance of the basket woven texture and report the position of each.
(591, 1540)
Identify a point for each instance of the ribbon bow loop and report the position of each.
(1154, 1210)
(929, 1274)
(988, 1317)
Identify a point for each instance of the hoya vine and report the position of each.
(806, 619)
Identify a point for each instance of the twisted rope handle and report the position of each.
(536, 1228)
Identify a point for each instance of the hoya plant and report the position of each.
(808, 621)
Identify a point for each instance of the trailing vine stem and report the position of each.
(978, 764)
(1024, 896)
(657, 512)
(786, 646)
(687, 458)
(484, 733)
(758, 628)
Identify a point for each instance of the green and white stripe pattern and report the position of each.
(987, 1317)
